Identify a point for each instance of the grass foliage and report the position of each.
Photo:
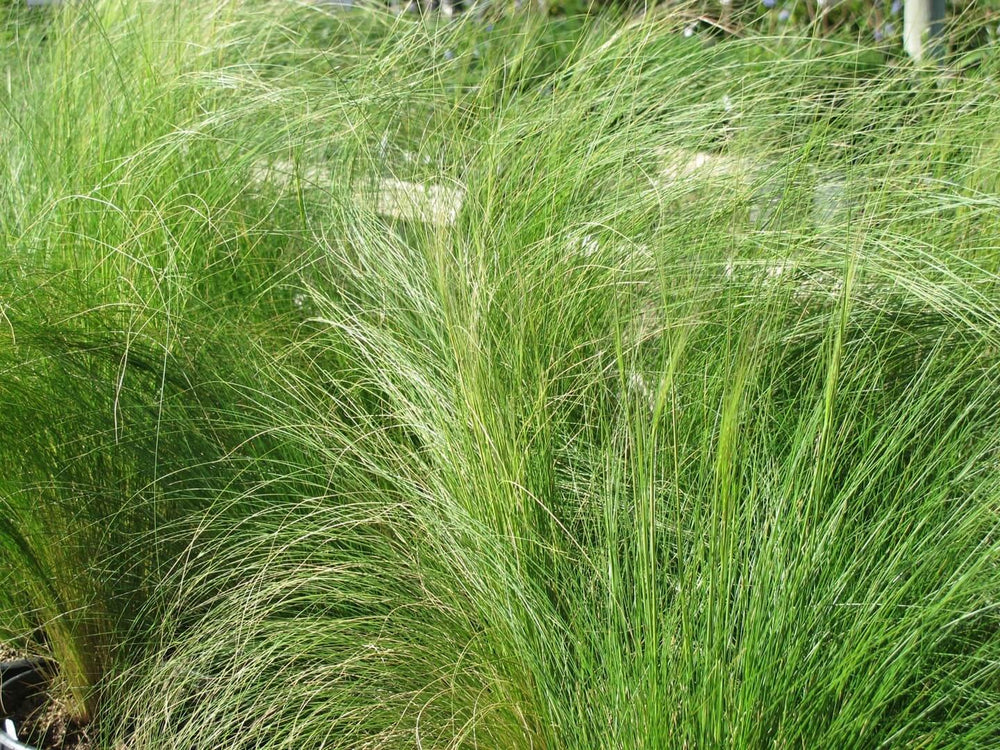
(631, 453)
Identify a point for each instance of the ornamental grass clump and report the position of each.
(676, 427)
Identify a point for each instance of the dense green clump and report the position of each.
(373, 381)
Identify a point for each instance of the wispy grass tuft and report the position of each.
(373, 381)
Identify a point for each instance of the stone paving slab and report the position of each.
(431, 203)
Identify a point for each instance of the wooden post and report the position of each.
(923, 26)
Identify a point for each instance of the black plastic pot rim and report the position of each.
(8, 737)
(18, 679)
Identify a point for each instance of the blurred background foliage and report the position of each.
(972, 27)
(970, 24)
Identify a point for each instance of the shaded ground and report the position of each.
(42, 721)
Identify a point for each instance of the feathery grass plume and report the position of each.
(582, 387)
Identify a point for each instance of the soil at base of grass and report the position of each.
(42, 720)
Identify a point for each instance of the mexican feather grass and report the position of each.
(679, 430)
